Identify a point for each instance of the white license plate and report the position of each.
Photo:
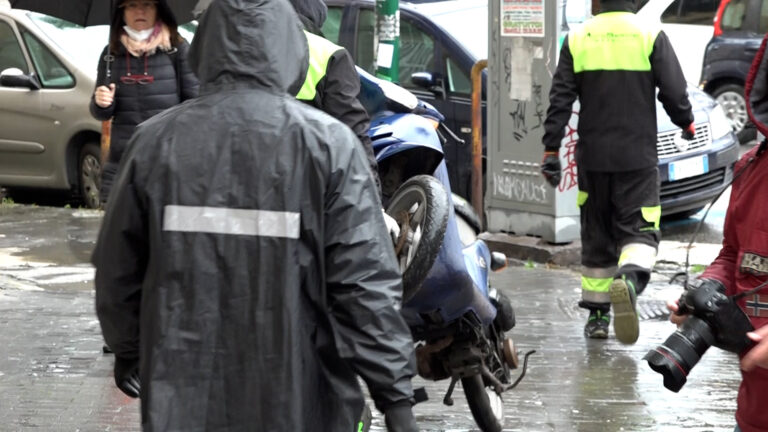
(688, 167)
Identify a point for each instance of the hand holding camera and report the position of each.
(706, 317)
(757, 356)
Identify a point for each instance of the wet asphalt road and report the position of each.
(53, 375)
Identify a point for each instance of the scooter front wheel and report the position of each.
(421, 208)
(487, 407)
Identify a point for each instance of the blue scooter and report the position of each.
(456, 318)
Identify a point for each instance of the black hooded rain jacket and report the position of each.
(243, 258)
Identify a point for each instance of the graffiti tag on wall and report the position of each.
(522, 189)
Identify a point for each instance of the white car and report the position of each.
(689, 24)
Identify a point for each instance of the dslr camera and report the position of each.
(715, 319)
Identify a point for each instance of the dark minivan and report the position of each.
(738, 31)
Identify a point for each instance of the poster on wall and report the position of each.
(522, 18)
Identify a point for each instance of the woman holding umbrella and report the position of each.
(142, 72)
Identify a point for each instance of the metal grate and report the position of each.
(675, 188)
(666, 146)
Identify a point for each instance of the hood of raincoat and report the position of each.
(249, 44)
(312, 13)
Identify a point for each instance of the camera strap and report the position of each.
(750, 292)
(760, 150)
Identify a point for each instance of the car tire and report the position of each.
(89, 175)
(731, 98)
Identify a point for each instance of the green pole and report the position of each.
(388, 36)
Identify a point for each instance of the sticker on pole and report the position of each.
(522, 18)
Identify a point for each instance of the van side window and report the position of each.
(417, 49)
(764, 18)
(332, 24)
(733, 15)
(458, 82)
(366, 22)
(10, 51)
(701, 12)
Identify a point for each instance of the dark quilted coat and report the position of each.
(137, 102)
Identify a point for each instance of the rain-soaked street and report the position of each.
(53, 375)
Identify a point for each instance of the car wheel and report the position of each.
(731, 98)
(89, 175)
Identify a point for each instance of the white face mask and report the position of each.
(138, 35)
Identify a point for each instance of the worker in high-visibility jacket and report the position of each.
(613, 64)
(333, 84)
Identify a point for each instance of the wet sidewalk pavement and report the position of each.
(53, 376)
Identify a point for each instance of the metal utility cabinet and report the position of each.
(524, 43)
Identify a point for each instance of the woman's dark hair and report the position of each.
(164, 15)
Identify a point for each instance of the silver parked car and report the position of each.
(48, 138)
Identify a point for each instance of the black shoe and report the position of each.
(626, 324)
(597, 325)
(105, 349)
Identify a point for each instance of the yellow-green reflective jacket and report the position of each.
(320, 52)
(613, 64)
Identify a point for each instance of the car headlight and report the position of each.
(719, 123)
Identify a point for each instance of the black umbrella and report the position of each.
(97, 12)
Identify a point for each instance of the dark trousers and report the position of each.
(619, 223)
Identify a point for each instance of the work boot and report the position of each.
(623, 299)
(597, 324)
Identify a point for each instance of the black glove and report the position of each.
(127, 376)
(550, 167)
(399, 418)
(689, 132)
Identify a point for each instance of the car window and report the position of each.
(417, 49)
(50, 70)
(332, 24)
(700, 12)
(733, 15)
(366, 21)
(458, 82)
(764, 17)
(10, 51)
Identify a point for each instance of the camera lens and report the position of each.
(675, 358)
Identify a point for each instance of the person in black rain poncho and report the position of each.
(244, 274)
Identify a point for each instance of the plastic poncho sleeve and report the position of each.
(562, 95)
(364, 284)
(120, 258)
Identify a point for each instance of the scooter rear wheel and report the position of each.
(487, 407)
(421, 207)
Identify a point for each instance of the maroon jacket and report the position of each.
(743, 260)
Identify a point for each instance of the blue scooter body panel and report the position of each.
(457, 283)
(451, 289)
